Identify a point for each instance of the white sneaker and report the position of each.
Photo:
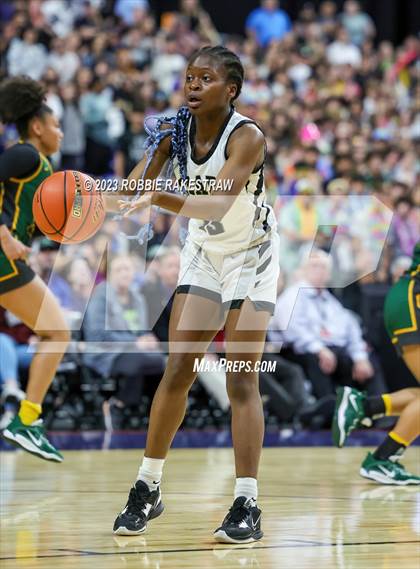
(12, 391)
(6, 418)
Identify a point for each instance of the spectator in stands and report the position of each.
(167, 65)
(130, 146)
(95, 106)
(63, 59)
(339, 210)
(358, 24)
(375, 174)
(44, 264)
(328, 15)
(343, 52)
(255, 89)
(59, 15)
(268, 23)
(198, 20)
(369, 233)
(131, 12)
(26, 56)
(81, 281)
(299, 220)
(325, 338)
(73, 144)
(52, 97)
(118, 314)
(405, 229)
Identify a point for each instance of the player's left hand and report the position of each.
(362, 371)
(143, 202)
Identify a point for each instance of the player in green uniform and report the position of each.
(22, 168)
(353, 408)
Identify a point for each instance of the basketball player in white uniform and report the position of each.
(231, 259)
(228, 277)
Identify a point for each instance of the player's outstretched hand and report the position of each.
(127, 207)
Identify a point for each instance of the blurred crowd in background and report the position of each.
(341, 117)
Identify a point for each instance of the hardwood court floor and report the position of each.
(317, 513)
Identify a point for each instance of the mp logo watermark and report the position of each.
(360, 244)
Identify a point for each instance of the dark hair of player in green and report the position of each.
(21, 100)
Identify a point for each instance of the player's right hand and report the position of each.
(128, 207)
(13, 248)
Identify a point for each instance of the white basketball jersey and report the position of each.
(250, 220)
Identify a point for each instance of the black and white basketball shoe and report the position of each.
(242, 523)
(142, 505)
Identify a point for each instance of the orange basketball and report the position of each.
(68, 208)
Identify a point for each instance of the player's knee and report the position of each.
(179, 373)
(414, 406)
(62, 336)
(414, 394)
(241, 389)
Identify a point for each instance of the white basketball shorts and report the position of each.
(230, 279)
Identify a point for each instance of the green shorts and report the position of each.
(402, 312)
(13, 274)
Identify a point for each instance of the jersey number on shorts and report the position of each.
(212, 227)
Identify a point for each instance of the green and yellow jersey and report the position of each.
(22, 169)
(402, 305)
(18, 188)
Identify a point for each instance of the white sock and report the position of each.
(246, 487)
(150, 472)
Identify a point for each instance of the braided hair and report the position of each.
(178, 131)
(22, 99)
(177, 126)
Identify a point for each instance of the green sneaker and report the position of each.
(387, 472)
(348, 415)
(31, 438)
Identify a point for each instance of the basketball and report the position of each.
(67, 208)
